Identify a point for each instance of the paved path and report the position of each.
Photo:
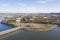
(9, 30)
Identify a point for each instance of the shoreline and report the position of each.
(8, 24)
(41, 27)
(31, 27)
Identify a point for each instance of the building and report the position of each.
(18, 20)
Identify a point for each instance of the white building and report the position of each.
(18, 19)
(31, 19)
(45, 17)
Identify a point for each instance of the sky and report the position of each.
(29, 6)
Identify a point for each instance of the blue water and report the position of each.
(1, 18)
(2, 26)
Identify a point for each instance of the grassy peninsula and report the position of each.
(33, 23)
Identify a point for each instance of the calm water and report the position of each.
(2, 26)
(29, 35)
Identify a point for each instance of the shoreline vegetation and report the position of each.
(32, 23)
(12, 25)
(38, 27)
(34, 26)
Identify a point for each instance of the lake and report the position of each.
(32, 35)
(2, 26)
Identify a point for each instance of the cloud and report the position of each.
(41, 2)
(37, 10)
(20, 10)
(44, 1)
(28, 10)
